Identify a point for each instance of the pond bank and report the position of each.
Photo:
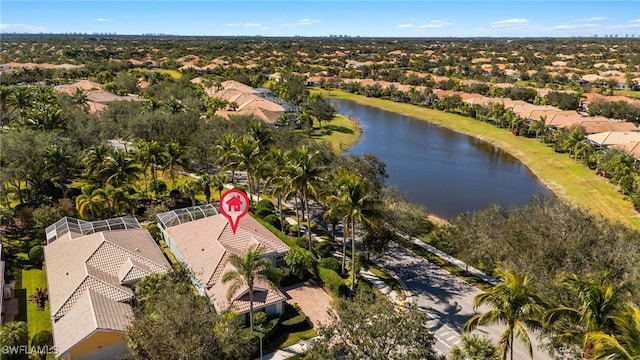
(566, 178)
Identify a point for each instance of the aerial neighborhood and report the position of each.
(117, 151)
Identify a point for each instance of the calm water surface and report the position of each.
(443, 170)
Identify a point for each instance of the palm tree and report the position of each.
(205, 182)
(473, 347)
(119, 201)
(191, 188)
(60, 166)
(277, 166)
(226, 155)
(218, 181)
(80, 98)
(306, 175)
(176, 159)
(247, 154)
(14, 333)
(120, 168)
(625, 344)
(353, 200)
(151, 154)
(599, 300)
(539, 127)
(91, 203)
(513, 303)
(5, 99)
(249, 269)
(94, 161)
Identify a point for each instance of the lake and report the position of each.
(446, 171)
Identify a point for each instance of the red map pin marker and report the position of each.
(234, 204)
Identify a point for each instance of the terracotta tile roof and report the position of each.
(93, 312)
(87, 277)
(631, 149)
(614, 138)
(101, 96)
(601, 124)
(84, 85)
(93, 261)
(207, 243)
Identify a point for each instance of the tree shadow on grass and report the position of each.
(328, 130)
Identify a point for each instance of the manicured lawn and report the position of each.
(37, 320)
(629, 93)
(174, 73)
(568, 179)
(292, 328)
(341, 132)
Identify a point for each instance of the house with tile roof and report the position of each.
(92, 268)
(203, 239)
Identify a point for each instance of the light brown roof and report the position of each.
(631, 149)
(206, 244)
(614, 138)
(102, 96)
(94, 261)
(93, 312)
(599, 124)
(84, 85)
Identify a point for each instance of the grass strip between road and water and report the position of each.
(566, 178)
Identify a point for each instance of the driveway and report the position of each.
(447, 299)
(312, 299)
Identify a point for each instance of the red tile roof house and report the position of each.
(91, 270)
(203, 240)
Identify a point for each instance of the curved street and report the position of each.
(447, 299)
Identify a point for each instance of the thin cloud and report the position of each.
(101, 20)
(305, 22)
(233, 25)
(26, 28)
(436, 24)
(252, 25)
(631, 24)
(563, 27)
(594, 18)
(406, 26)
(510, 22)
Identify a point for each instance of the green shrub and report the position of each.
(42, 342)
(330, 263)
(333, 281)
(303, 242)
(324, 249)
(259, 318)
(272, 220)
(262, 213)
(36, 255)
(265, 204)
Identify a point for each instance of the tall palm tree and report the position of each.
(204, 183)
(354, 200)
(625, 343)
(306, 174)
(226, 155)
(277, 179)
(121, 168)
(119, 201)
(152, 155)
(473, 347)
(5, 99)
(247, 154)
(600, 299)
(94, 160)
(191, 188)
(248, 269)
(218, 181)
(91, 203)
(513, 303)
(176, 159)
(61, 166)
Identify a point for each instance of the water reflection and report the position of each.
(446, 171)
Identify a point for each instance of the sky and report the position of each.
(417, 18)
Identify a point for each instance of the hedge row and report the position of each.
(332, 280)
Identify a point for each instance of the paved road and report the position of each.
(447, 299)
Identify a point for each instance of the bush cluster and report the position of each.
(332, 280)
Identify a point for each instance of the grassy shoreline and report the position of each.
(567, 179)
(341, 132)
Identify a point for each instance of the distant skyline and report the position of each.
(426, 18)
